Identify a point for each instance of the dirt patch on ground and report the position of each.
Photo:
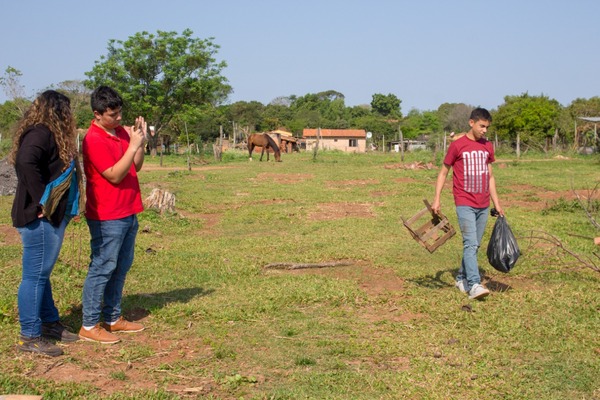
(9, 235)
(373, 281)
(505, 283)
(210, 220)
(104, 367)
(536, 198)
(376, 283)
(332, 211)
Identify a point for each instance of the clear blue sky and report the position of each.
(425, 52)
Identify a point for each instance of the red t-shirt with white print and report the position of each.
(469, 160)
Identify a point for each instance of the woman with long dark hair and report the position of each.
(48, 195)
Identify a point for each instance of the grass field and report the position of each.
(388, 324)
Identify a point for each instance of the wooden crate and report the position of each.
(431, 230)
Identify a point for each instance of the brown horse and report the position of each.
(265, 142)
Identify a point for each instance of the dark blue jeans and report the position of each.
(472, 223)
(41, 246)
(112, 247)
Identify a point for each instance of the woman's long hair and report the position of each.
(53, 110)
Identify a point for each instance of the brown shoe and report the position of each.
(122, 325)
(98, 334)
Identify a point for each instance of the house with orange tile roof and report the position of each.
(348, 140)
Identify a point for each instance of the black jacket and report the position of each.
(37, 164)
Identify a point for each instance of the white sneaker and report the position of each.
(461, 285)
(478, 292)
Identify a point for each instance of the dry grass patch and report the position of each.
(281, 178)
(332, 211)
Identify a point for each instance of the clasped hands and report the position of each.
(138, 133)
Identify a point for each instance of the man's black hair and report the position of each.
(481, 114)
(105, 97)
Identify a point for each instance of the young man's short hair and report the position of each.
(105, 97)
(479, 114)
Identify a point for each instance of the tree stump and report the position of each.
(161, 200)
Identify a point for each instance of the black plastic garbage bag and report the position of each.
(503, 250)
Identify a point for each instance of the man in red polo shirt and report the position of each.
(112, 157)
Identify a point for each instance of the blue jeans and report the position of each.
(41, 246)
(472, 223)
(112, 244)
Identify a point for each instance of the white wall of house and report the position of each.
(348, 145)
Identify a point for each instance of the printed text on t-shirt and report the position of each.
(476, 173)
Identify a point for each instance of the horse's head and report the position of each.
(271, 143)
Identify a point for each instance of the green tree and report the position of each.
(454, 117)
(583, 132)
(246, 116)
(534, 118)
(15, 91)
(282, 101)
(585, 107)
(162, 76)
(359, 111)
(79, 95)
(278, 114)
(386, 105)
(564, 134)
(380, 127)
(420, 123)
(324, 109)
(202, 124)
(9, 116)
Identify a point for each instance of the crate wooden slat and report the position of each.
(429, 229)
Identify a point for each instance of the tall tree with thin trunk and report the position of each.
(162, 76)
(14, 90)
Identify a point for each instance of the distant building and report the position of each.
(348, 140)
(419, 143)
(286, 140)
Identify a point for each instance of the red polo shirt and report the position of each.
(104, 200)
